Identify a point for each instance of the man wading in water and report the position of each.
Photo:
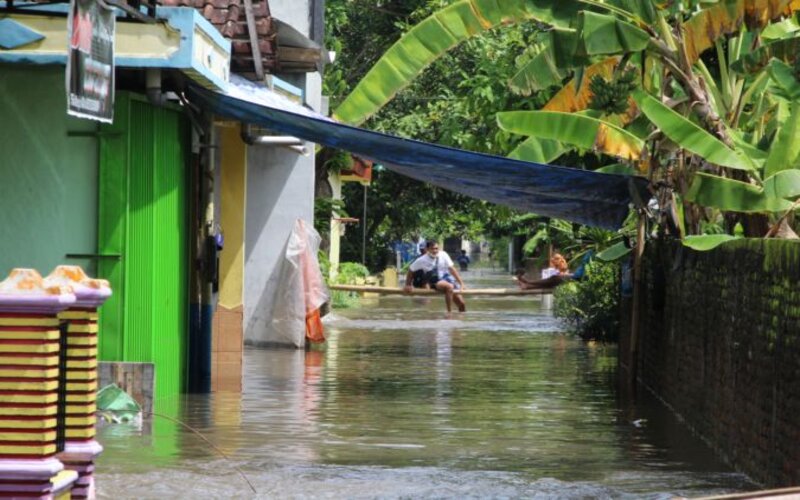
(440, 273)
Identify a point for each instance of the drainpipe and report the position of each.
(287, 141)
(153, 87)
(203, 257)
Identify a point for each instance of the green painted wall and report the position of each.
(48, 180)
(144, 219)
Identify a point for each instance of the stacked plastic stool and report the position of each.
(81, 449)
(30, 366)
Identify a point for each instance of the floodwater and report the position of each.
(407, 401)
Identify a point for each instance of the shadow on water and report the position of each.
(406, 401)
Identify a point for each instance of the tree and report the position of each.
(450, 107)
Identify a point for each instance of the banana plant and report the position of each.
(700, 133)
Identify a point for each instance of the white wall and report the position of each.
(280, 189)
(294, 12)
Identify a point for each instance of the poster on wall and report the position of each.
(90, 60)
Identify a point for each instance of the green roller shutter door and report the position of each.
(144, 220)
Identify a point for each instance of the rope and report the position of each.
(201, 436)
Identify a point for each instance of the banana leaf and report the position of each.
(550, 66)
(537, 74)
(688, 135)
(614, 252)
(733, 196)
(784, 184)
(581, 131)
(785, 50)
(783, 76)
(783, 29)
(538, 150)
(757, 156)
(643, 10)
(785, 150)
(603, 34)
(726, 17)
(568, 49)
(618, 168)
(706, 242)
(436, 35)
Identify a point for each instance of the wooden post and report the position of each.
(496, 292)
(633, 358)
(258, 63)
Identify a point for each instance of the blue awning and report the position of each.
(582, 196)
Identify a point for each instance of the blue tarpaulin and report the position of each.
(576, 195)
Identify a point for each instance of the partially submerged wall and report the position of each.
(720, 344)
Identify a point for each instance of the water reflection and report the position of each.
(409, 402)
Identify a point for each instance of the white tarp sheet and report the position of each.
(301, 291)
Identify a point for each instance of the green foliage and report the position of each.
(324, 208)
(578, 130)
(706, 242)
(499, 249)
(350, 273)
(590, 308)
(431, 38)
(689, 135)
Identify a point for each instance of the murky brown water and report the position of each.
(408, 402)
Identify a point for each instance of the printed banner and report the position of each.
(90, 60)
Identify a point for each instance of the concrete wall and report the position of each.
(280, 189)
(294, 12)
(720, 344)
(48, 180)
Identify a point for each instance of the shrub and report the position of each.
(590, 308)
(350, 273)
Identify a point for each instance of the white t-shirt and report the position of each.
(426, 263)
(549, 272)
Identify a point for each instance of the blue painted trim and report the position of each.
(55, 8)
(42, 60)
(288, 87)
(167, 13)
(182, 19)
(14, 34)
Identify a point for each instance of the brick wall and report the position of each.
(720, 343)
(227, 349)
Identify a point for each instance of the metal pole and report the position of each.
(364, 230)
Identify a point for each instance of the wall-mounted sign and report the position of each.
(90, 60)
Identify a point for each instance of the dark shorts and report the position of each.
(450, 279)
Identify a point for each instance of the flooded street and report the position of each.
(408, 402)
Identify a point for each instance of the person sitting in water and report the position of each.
(556, 274)
(441, 274)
